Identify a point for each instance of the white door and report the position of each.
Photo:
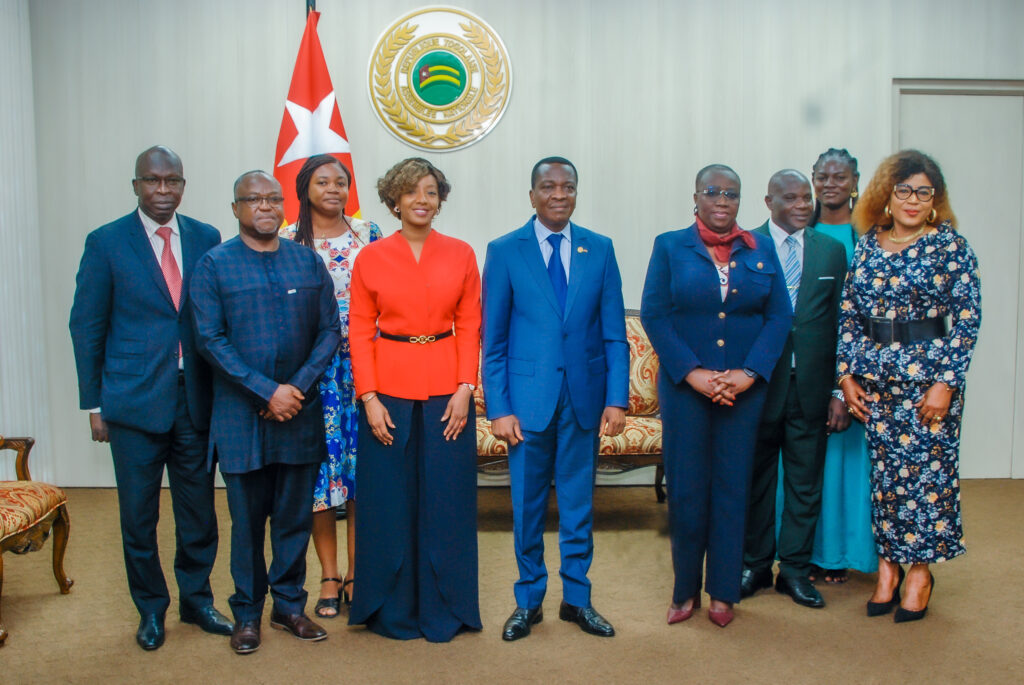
(978, 140)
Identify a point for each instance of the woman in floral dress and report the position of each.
(902, 366)
(322, 187)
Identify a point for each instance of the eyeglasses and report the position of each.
(172, 182)
(255, 201)
(711, 192)
(903, 191)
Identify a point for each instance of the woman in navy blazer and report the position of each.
(717, 312)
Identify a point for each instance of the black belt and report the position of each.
(418, 339)
(888, 331)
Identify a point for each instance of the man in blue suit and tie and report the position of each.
(148, 392)
(556, 378)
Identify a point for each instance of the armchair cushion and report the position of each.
(23, 503)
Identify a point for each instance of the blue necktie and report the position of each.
(556, 272)
(792, 269)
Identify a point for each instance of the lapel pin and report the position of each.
(581, 249)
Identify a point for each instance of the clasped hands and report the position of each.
(721, 387)
(284, 404)
(456, 414)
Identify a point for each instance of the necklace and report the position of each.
(913, 236)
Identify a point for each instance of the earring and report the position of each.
(887, 211)
(695, 210)
(932, 216)
(854, 194)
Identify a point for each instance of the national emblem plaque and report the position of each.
(440, 78)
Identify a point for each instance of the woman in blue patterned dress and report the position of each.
(322, 187)
(843, 538)
(902, 370)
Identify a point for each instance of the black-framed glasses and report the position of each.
(172, 182)
(711, 192)
(903, 191)
(255, 201)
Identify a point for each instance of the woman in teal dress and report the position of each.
(843, 539)
(322, 188)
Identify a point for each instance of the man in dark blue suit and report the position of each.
(556, 378)
(267, 321)
(148, 392)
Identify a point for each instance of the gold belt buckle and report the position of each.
(422, 339)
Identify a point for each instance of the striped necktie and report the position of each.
(792, 269)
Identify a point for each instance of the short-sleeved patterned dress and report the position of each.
(336, 482)
(915, 466)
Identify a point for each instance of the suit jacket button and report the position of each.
(760, 265)
(721, 315)
(721, 343)
(734, 291)
(732, 265)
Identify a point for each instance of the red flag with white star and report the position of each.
(311, 124)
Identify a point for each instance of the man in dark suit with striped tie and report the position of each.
(148, 392)
(800, 410)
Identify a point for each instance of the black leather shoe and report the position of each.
(801, 590)
(208, 619)
(586, 618)
(245, 639)
(518, 624)
(753, 580)
(150, 634)
(298, 625)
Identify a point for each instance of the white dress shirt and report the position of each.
(779, 236)
(565, 246)
(158, 243)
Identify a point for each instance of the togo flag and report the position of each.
(311, 124)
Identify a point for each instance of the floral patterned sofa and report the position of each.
(28, 509)
(638, 445)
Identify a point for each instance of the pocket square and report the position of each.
(826, 278)
(291, 292)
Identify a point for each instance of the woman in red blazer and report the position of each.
(414, 331)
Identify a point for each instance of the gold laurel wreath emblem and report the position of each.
(464, 127)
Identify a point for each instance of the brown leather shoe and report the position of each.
(298, 625)
(245, 638)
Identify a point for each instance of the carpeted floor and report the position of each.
(973, 632)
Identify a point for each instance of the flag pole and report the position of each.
(310, 6)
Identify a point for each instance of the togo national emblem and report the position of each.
(439, 78)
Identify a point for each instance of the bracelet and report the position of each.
(839, 381)
(471, 387)
(366, 399)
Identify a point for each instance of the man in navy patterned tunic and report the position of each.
(267, 321)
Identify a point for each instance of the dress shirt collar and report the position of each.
(542, 232)
(779, 235)
(151, 226)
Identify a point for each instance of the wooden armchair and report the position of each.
(28, 509)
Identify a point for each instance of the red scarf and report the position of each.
(721, 243)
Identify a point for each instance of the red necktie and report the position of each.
(170, 269)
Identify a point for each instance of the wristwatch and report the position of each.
(468, 385)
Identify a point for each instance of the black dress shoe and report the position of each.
(150, 634)
(801, 590)
(518, 624)
(298, 625)
(245, 638)
(753, 580)
(586, 618)
(208, 619)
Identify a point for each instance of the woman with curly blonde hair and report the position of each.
(907, 328)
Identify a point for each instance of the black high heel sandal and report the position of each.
(904, 615)
(344, 593)
(883, 608)
(332, 603)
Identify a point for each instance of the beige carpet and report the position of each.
(973, 632)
